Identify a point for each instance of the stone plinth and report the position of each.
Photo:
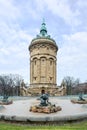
(45, 109)
(79, 101)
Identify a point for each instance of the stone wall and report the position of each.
(36, 91)
(43, 61)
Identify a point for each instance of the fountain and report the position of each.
(20, 111)
(5, 101)
(45, 106)
(80, 100)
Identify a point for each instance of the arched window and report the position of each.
(51, 61)
(35, 61)
(34, 68)
(43, 69)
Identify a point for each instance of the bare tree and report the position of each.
(10, 84)
(70, 82)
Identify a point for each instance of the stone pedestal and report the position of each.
(45, 109)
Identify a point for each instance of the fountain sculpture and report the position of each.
(80, 100)
(5, 101)
(45, 106)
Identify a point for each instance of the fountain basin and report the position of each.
(19, 111)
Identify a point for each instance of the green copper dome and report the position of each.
(43, 37)
(43, 30)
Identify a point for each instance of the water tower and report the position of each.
(43, 51)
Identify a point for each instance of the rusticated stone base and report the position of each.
(45, 109)
(36, 91)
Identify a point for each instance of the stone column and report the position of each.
(31, 72)
(38, 70)
(55, 72)
(48, 69)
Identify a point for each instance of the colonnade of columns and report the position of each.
(43, 70)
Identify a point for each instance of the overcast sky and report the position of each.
(66, 22)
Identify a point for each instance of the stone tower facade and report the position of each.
(43, 51)
(43, 60)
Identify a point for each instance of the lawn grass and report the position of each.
(69, 126)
